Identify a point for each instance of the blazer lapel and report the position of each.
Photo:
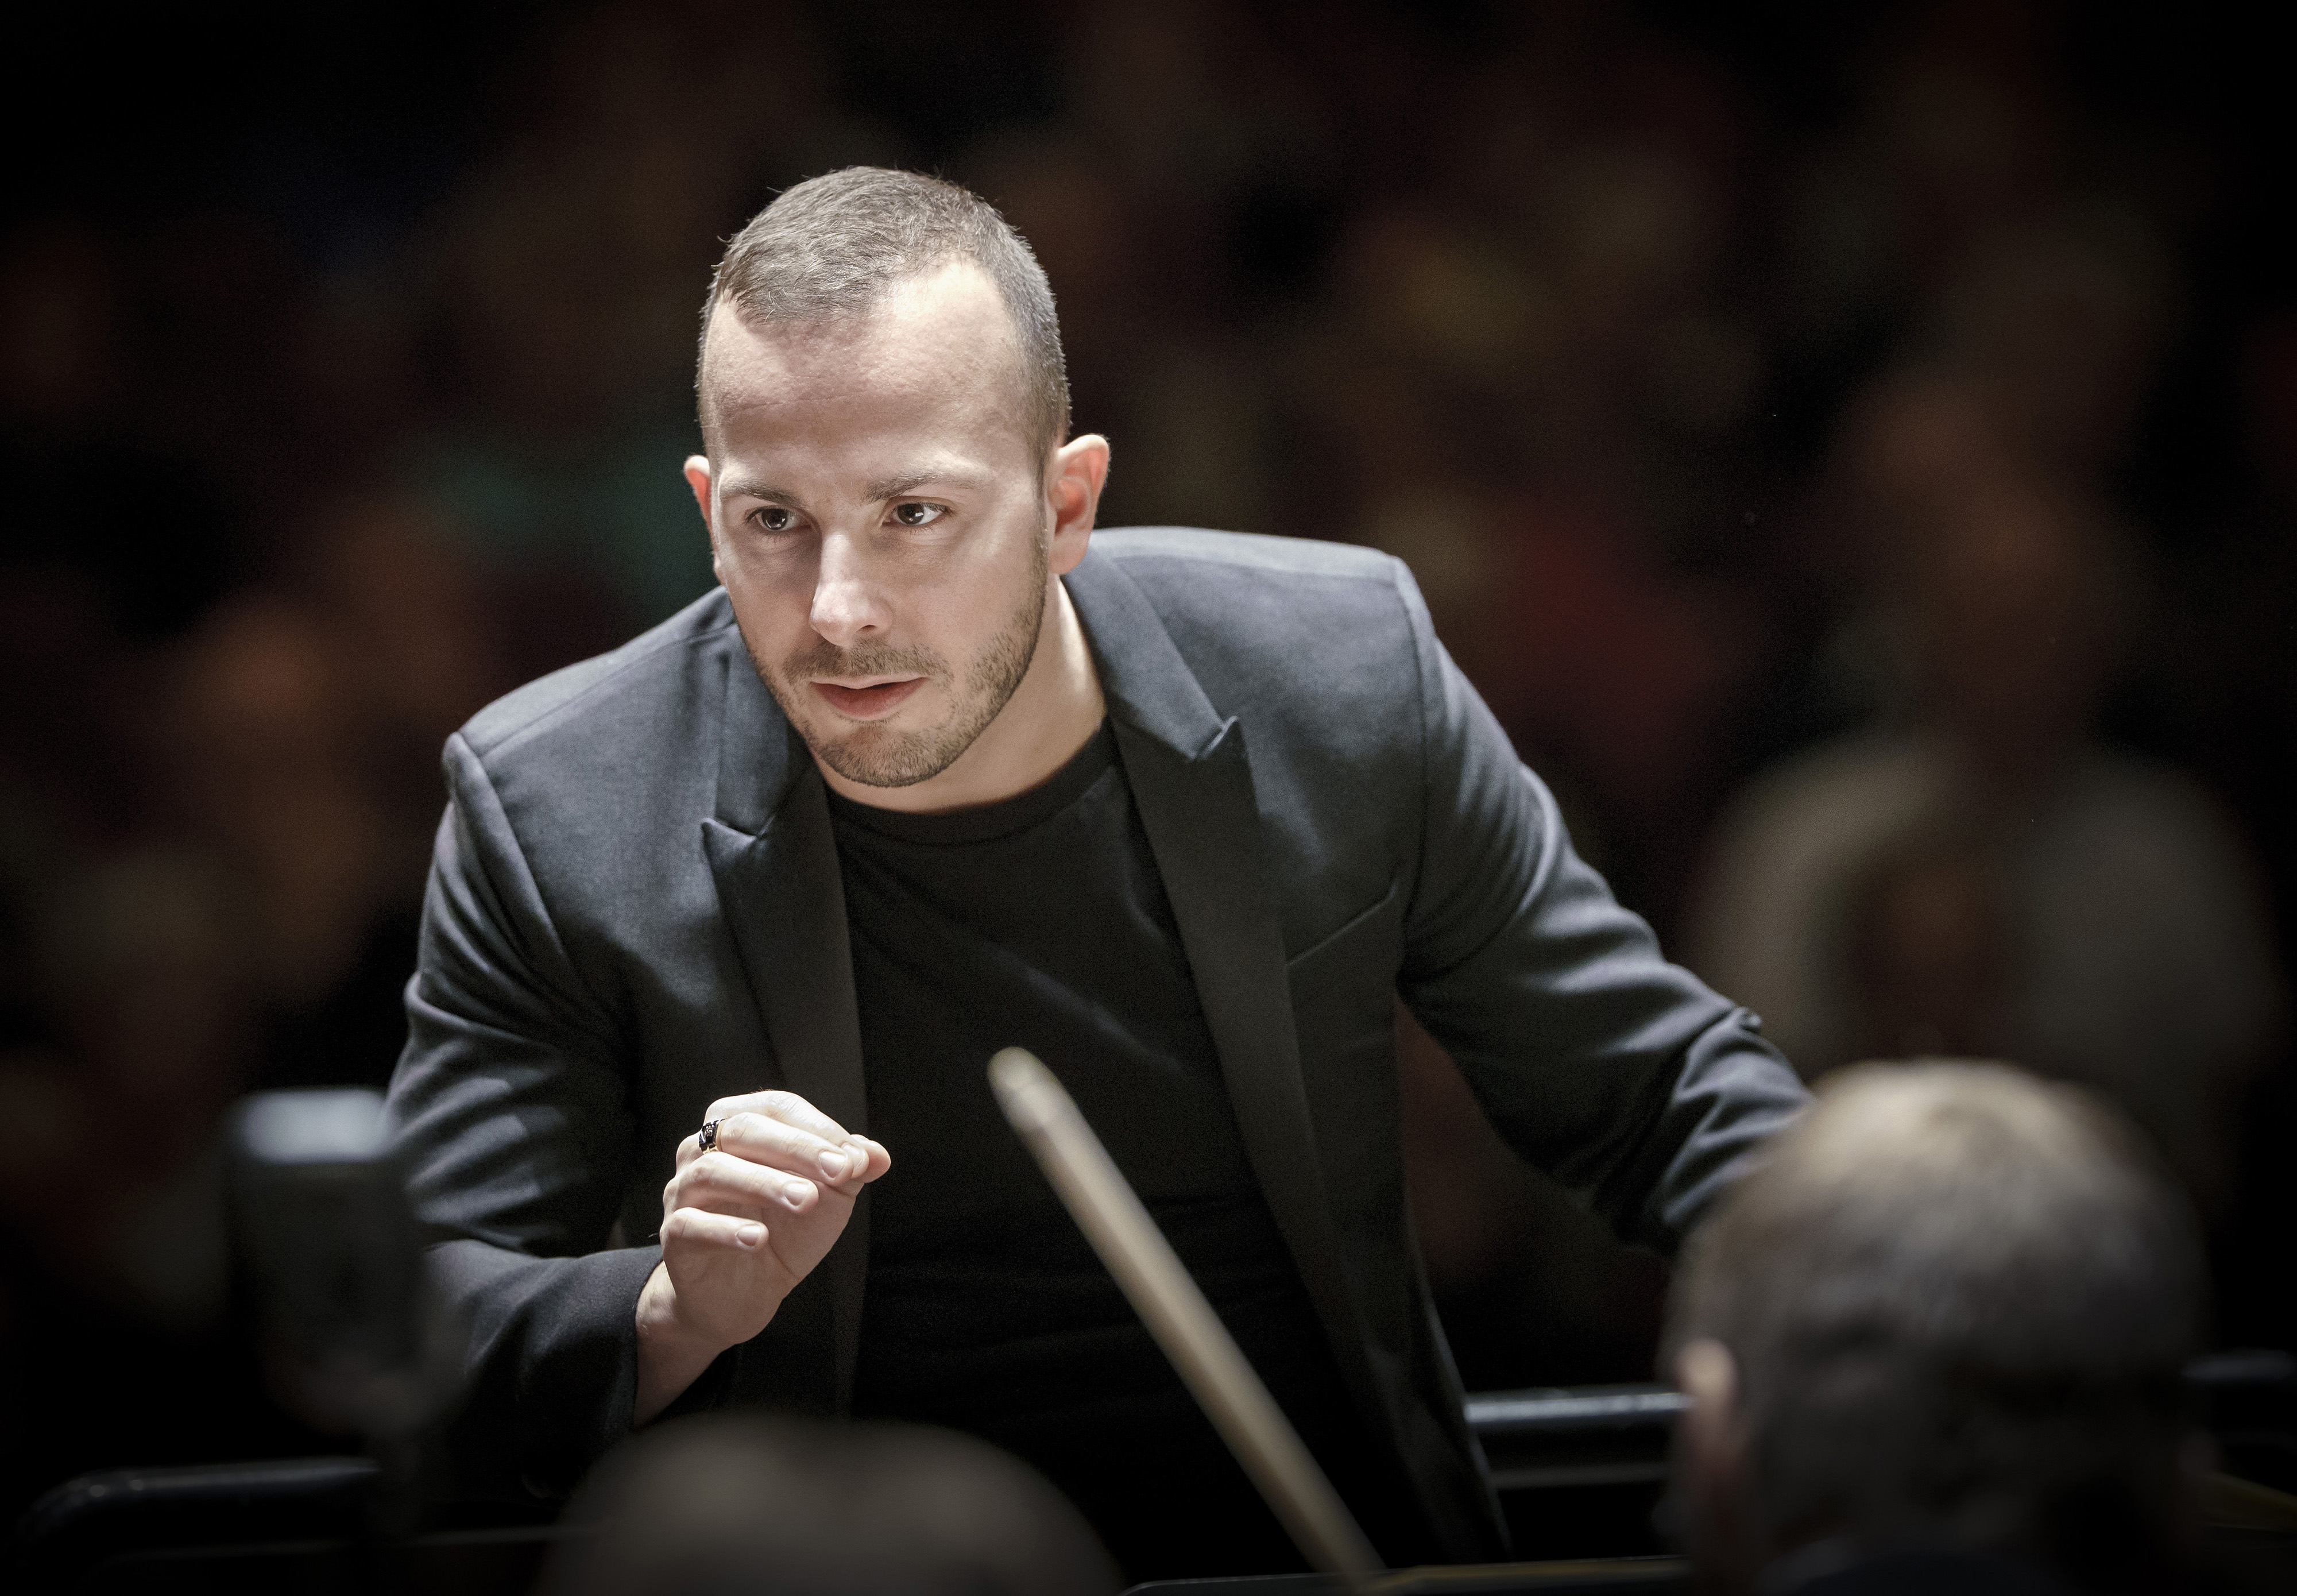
(1191, 781)
(774, 859)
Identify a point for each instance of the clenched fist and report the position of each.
(742, 1224)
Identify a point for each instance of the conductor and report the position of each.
(723, 926)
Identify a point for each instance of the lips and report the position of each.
(868, 703)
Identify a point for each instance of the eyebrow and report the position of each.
(877, 492)
(745, 487)
(910, 481)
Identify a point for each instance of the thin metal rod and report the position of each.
(1110, 1214)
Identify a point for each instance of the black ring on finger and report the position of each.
(708, 1139)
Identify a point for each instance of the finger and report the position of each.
(719, 1181)
(691, 1149)
(764, 1140)
(874, 1160)
(786, 1107)
(863, 1161)
(678, 1192)
(697, 1227)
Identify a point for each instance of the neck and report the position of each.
(1053, 712)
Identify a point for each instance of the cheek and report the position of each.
(973, 599)
(773, 599)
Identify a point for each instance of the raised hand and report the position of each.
(742, 1224)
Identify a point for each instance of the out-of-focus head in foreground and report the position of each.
(753, 1506)
(1946, 1320)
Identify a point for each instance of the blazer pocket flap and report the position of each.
(1354, 927)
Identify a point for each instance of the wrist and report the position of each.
(673, 1351)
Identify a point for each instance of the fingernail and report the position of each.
(834, 1164)
(751, 1235)
(796, 1193)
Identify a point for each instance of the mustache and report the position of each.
(824, 658)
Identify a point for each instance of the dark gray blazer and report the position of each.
(635, 908)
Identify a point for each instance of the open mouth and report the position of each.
(872, 703)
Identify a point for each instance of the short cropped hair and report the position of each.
(1959, 1300)
(754, 1504)
(830, 248)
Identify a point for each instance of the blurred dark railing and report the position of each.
(1579, 1470)
(1583, 1435)
(304, 1525)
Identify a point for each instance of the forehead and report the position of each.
(938, 349)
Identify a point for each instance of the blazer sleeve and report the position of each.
(509, 1109)
(1599, 1062)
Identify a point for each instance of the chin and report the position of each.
(879, 756)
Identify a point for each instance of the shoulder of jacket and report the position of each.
(1249, 593)
(1322, 639)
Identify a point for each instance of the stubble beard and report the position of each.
(875, 755)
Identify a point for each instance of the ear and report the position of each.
(699, 479)
(1073, 483)
(1714, 1468)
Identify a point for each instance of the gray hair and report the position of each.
(1959, 1300)
(831, 247)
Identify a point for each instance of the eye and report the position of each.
(773, 518)
(916, 514)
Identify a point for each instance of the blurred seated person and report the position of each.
(1935, 1344)
(270, 774)
(742, 1505)
(1931, 955)
(1980, 874)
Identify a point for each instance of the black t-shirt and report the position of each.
(1040, 921)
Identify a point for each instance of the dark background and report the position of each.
(345, 371)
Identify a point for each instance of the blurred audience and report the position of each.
(1981, 873)
(1532, 1289)
(153, 1005)
(1935, 1344)
(744, 1505)
(139, 1022)
(1727, 393)
(264, 749)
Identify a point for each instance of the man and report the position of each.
(1934, 1343)
(1182, 814)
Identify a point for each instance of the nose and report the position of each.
(849, 602)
